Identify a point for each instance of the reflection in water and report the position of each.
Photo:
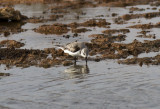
(3, 75)
(77, 71)
(13, 27)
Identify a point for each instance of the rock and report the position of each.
(134, 16)
(55, 17)
(97, 59)
(6, 33)
(11, 44)
(97, 36)
(7, 28)
(80, 30)
(136, 9)
(67, 63)
(58, 29)
(4, 74)
(36, 20)
(147, 36)
(114, 14)
(94, 22)
(10, 14)
(112, 31)
(142, 26)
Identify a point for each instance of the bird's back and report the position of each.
(75, 46)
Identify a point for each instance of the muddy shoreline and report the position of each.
(107, 44)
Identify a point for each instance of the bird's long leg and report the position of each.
(86, 60)
(75, 60)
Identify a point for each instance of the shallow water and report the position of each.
(100, 85)
(103, 85)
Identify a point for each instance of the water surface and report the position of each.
(100, 85)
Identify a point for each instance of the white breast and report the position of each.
(78, 53)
